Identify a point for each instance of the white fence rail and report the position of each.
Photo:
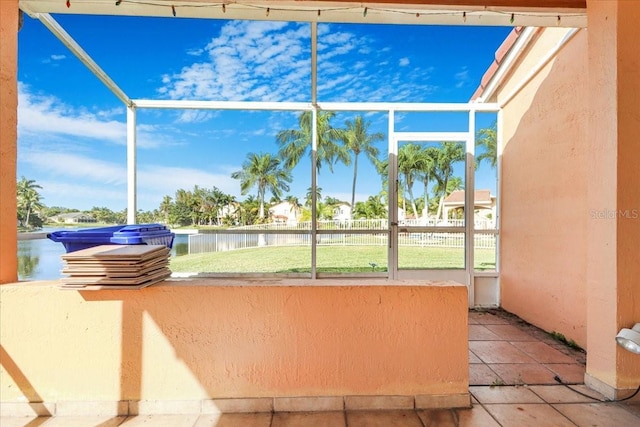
(276, 235)
(367, 224)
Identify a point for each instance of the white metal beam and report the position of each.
(180, 104)
(392, 197)
(132, 166)
(431, 136)
(469, 211)
(314, 62)
(407, 106)
(308, 106)
(314, 148)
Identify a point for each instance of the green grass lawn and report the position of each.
(297, 259)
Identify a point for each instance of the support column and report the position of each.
(8, 140)
(613, 194)
(132, 167)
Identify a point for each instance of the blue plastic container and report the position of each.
(138, 234)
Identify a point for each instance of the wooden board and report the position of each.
(118, 253)
(108, 287)
(104, 280)
(102, 269)
(121, 267)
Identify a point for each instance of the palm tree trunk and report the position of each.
(261, 198)
(425, 212)
(404, 203)
(261, 238)
(353, 186)
(444, 194)
(413, 203)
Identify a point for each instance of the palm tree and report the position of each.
(308, 200)
(294, 143)
(430, 160)
(487, 139)
(295, 205)
(248, 210)
(372, 208)
(199, 204)
(29, 200)
(357, 139)
(410, 162)
(183, 208)
(165, 208)
(264, 172)
(449, 153)
(222, 201)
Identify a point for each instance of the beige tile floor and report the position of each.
(512, 370)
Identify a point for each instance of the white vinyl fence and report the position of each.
(363, 233)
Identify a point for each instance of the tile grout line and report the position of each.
(556, 409)
(486, 410)
(344, 411)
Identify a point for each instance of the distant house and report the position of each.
(342, 212)
(228, 211)
(284, 212)
(402, 214)
(74, 218)
(484, 204)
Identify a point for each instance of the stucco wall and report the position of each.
(188, 340)
(614, 190)
(544, 209)
(8, 144)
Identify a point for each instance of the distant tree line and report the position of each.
(271, 173)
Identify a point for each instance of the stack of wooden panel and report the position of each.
(116, 267)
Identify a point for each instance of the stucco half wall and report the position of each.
(191, 341)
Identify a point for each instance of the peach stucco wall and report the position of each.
(190, 340)
(543, 193)
(613, 241)
(8, 153)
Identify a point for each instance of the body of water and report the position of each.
(40, 259)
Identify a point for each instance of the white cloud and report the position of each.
(43, 117)
(462, 77)
(47, 114)
(195, 52)
(79, 167)
(270, 61)
(163, 180)
(247, 61)
(81, 195)
(80, 181)
(53, 59)
(194, 116)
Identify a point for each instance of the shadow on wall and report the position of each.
(26, 388)
(544, 210)
(196, 342)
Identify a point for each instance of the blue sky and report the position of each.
(72, 130)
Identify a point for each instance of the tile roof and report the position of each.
(499, 56)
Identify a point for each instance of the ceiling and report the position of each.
(566, 13)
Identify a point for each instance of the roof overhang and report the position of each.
(538, 13)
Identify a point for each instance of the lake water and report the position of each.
(39, 259)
